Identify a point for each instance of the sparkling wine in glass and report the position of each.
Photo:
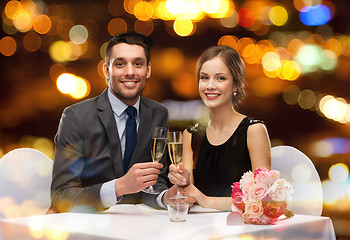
(175, 153)
(157, 151)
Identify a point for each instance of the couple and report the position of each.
(95, 167)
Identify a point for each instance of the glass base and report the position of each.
(150, 190)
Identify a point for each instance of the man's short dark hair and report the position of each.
(130, 38)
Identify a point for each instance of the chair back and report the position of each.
(300, 172)
(25, 180)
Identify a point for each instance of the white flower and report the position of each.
(281, 190)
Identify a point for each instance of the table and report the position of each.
(142, 222)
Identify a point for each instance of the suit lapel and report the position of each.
(106, 116)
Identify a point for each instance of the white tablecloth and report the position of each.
(142, 222)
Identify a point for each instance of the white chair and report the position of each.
(25, 180)
(300, 172)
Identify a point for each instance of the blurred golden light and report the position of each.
(57, 234)
(175, 6)
(291, 94)
(334, 45)
(100, 69)
(143, 11)
(265, 46)
(162, 12)
(76, 50)
(8, 27)
(322, 149)
(264, 87)
(301, 173)
(31, 41)
(171, 61)
(78, 34)
(12, 8)
(145, 27)
(103, 50)
(56, 70)
(333, 108)
(243, 43)
(115, 7)
(192, 11)
(270, 74)
(251, 54)
(228, 40)
(42, 24)
(330, 60)
(231, 20)
(294, 45)
(211, 6)
(307, 99)
(185, 85)
(60, 51)
(66, 83)
(117, 25)
(82, 88)
(45, 146)
(36, 227)
(8, 46)
(271, 61)
(259, 28)
(56, 25)
(129, 5)
(77, 87)
(278, 15)
(183, 27)
(23, 21)
(290, 70)
(223, 9)
(338, 173)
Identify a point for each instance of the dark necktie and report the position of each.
(131, 136)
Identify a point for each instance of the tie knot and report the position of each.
(131, 111)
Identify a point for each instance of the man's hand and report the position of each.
(139, 177)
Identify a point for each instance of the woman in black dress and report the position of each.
(216, 155)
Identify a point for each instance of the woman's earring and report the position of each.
(235, 94)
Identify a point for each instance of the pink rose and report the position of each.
(237, 195)
(258, 191)
(253, 208)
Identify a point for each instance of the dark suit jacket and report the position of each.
(88, 153)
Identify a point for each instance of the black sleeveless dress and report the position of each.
(217, 167)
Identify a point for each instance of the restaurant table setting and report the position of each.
(129, 221)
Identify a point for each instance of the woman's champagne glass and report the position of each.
(175, 153)
(157, 151)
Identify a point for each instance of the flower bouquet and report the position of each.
(261, 197)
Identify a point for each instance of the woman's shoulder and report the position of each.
(196, 129)
(251, 121)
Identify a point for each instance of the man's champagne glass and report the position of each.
(175, 153)
(157, 151)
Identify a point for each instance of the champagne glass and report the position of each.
(175, 153)
(157, 151)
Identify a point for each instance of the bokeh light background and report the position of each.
(297, 56)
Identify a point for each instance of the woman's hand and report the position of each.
(192, 192)
(179, 175)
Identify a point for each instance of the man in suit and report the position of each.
(90, 172)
